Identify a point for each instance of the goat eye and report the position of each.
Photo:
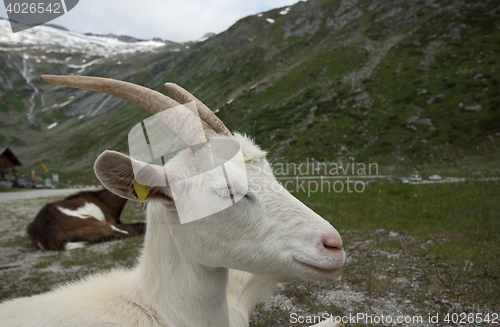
(225, 192)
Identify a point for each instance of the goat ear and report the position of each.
(116, 173)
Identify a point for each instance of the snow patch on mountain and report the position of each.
(45, 38)
(285, 11)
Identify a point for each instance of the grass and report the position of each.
(417, 243)
(415, 246)
(6, 189)
(465, 213)
(461, 219)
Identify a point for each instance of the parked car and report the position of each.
(23, 182)
(404, 180)
(416, 178)
(435, 178)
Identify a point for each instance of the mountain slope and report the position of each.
(395, 82)
(49, 123)
(365, 78)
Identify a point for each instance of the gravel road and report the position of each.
(33, 194)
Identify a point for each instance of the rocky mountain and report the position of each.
(399, 82)
(32, 113)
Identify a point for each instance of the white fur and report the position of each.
(182, 274)
(118, 230)
(88, 210)
(74, 245)
(245, 290)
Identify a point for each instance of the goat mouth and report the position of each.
(322, 271)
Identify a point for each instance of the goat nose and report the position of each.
(332, 241)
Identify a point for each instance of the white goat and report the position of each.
(182, 274)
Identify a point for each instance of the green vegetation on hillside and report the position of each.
(405, 83)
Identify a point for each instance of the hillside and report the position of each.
(401, 83)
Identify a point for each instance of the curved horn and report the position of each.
(205, 113)
(151, 100)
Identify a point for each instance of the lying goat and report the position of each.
(182, 275)
(81, 218)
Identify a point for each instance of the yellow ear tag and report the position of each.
(141, 190)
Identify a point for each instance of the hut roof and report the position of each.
(5, 151)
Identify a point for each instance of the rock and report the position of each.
(415, 121)
(475, 107)
(347, 12)
(126, 38)
(424, 121)
(430, 53)
(5, 82)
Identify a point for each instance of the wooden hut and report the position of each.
(8, 162)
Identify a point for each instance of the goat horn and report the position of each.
(151, 100)
(205, 113)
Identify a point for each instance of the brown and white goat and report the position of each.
(86, 217)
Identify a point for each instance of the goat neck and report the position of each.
(171, 284)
